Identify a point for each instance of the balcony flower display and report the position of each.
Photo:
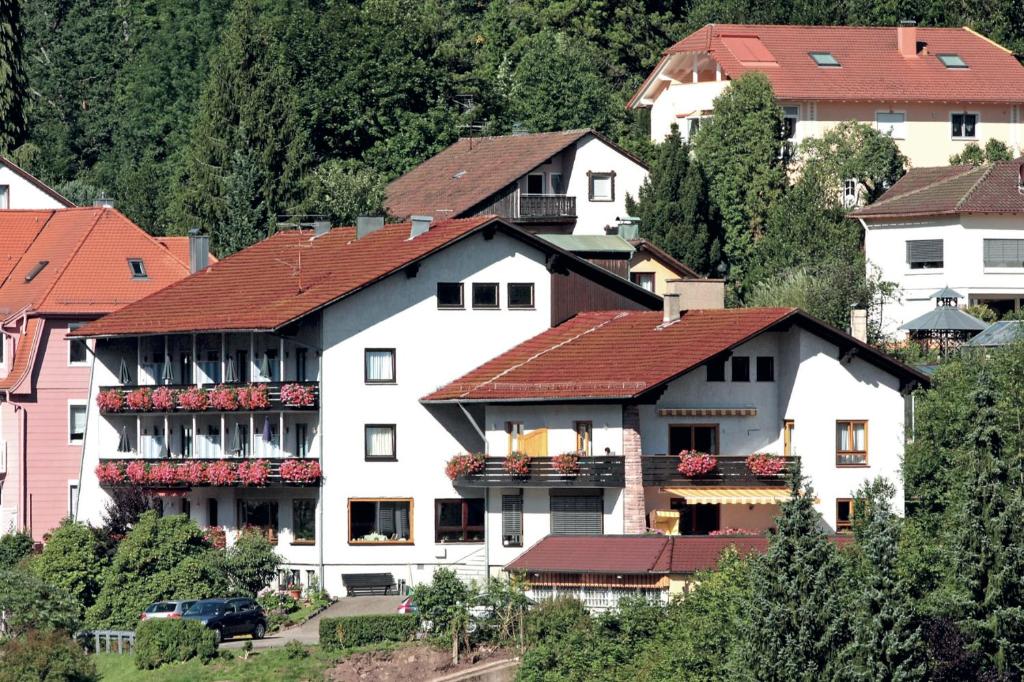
(111, 400)
(464, 465)
(135, 472)
(300, 471)
(109, 473)
(297, 395)
(567, 463)
(163, 473)
(221, 473)
(164, 399)
(517, 464)
(253, 397)
(253, 472)
(193, 399)
(139, 400)
(216, 536)
(693, 464)
(734, 531)
(191, 473)
(766, 464)
(223, 398)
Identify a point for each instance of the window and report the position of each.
(584, 437)
(301, 444)
(844, 515)
(740, 368)
(300, 364)
(699, 438)
(602, 186)
(765, 368)
(260, 514)
(535, 183)
(824, 59)
(72, 498)
(716, 370)
(692, 126)
(78, 352)
(515, 435)
(303, 522)
(449, 295)
(851, 443)
(512, 520)
(459, 520)
(645, 280)
(924, 254)
(380, 441)
(788, 426)
(76, 424)
(556, 183)
(952, 61)
(380, 365)
(5, 196)
(577, 512)
(383, 520)
(520, 295)
(211, 511)
(790, 116)
(138, 268)
(1004, 253)
(964, 126)
(892, 123)
(485, 295)
(850, 193)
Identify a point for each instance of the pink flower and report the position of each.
(254, 472)
(163, 473)
(193, 399)
(109, 473)
(464, 465)
(191, 473)
(517, 464)
(297, 395)
(766, 464)
(164, 399)
(216, 536)
(567, 463)
(224, 398)
(140, 400)
(136, 472)
(221, 473)
(300, 471)
(111, 400)
(693, 464)
(253, 397)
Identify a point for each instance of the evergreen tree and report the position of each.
(12, 76)
(673, 208)
(800, 597)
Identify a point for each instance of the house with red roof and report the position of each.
(933, 89)
(960, 227)
(21, 190)
(59, 269)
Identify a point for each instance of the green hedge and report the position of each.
(340, 633)
(167, 640)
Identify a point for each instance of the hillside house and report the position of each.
(21, 190)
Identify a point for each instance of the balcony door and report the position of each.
(697, 437)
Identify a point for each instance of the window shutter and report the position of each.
(512, 519)
(924, 251)
(1004, 253)
(579, 514)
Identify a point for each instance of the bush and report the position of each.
(442, 601)
(294, 650)
(29, 603)
(166, 640)
(13, 548)
(72, 562)
(49, 656)
(554, 618)
(251, 563)
(341, 633)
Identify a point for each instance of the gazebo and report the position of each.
(946, 327)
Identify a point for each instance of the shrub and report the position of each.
(442, 601)
(350, 631)
(29, 603)
(251, 563)
(554, 618)
(49, 656)
(166, 640)
(294, 650)
(13, 548)
(72, 562)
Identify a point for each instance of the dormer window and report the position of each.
(138, 268)
(824, 59)
(952, 61)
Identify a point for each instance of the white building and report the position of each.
(20, 190)
(955, 226)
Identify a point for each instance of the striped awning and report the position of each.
(723, 495)
(707, 412)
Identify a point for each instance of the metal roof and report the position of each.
(590, 243)
(946, 292)
(1001, 333)
(945, 318)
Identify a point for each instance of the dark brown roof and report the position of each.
(951, 190)
(36, 182)
(663, 257)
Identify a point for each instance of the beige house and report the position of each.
(934, 89)
(652, 267)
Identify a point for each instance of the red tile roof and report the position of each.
(36, 182)
(24, 354)
(871, 67)
(178, 246)
(951, 190)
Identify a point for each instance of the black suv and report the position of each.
(230, 617)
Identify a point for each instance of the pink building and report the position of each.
(59, 269)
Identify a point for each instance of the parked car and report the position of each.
(166, 609)
(230, 617)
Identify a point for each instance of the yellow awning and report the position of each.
(721, 495)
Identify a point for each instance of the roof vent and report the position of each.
(198, 251)
(103, 201)
(367, 224)
(321, 227)
(420, 224)
(36, 269)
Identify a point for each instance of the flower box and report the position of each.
(223, 398)
(109, 473)
(567, 463)
(297, 395)
(253, 397)
(164, 399)
(221, 473)
(135, 472)
(517, 464)
(193, 399)
(111, 400)
(300, 471)
(254, 472)
(765, 464)
(694, 464)
(191, 473)
(163, 473)
(464, 465)
(139, 400)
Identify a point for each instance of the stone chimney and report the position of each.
(698, 294)
(198, 251)
(670, 307)
(859, 324)
(906, 38)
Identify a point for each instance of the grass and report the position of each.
(266, 665)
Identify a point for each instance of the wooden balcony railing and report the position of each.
(595, 472)
(546, 206)
(661, 470)
(273, 388)
(179, 473)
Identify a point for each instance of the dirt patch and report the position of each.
(415, 663)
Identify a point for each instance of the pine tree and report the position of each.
(12, 76)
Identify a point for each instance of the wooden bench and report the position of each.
(368, 583)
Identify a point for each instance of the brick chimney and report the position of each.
(906, 38)
(697, 294)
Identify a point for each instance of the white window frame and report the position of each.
(84, 363)
(551, 183)
(77, 402)
(4, 340)
(977, 125)
(73, 485)
(901, 127)
(850, 199)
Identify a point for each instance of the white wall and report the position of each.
(22, 194)
(682, 98)
(593, 155)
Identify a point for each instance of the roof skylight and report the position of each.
(36, 269)
(138, 268)
(824, 59)
(952, 61)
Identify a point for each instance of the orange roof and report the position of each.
(871, 67)
(24, 353)
(178, 246)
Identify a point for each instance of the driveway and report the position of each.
(309, 632)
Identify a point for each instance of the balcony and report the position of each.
(187, 473)
(595, 472)
(661, 470)
(303, 396)
(546, 207)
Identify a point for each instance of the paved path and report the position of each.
(309, 632)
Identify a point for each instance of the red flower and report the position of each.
(193, 399)
(224, 398)
(110, 401)
(300, 471)
(567, 463)
(464, 465)
(221, 473)
(164, 399)
(163, 473)
(254, 472)
(140, 400)
(253, 397)
(191, 473)
(692, 464)
(297, 395)
(766, 464)
(216, 536)
(517, 464)
(109, 473)
(136, 472)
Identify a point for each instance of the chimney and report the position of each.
(103, 201)
(366, 224)
(670, 309)
(198, 251)
(698, 294)
(859, 324)
(906, 38)
(420, 224)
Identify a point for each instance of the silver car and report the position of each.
(166, 609)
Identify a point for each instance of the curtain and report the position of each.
(858, 438)
(393, 519)
(379, 366)
(843, 437)
(380, 441)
